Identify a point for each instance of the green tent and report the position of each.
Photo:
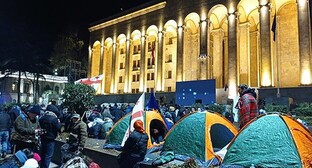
(272, 140)
(199, 135)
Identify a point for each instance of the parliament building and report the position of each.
(261, 43)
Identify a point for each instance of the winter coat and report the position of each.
(51, 124)
(78, 133)
(136, 144)
(248, 108)
(117, 113)
(24, 128)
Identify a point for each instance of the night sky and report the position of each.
(41, 21)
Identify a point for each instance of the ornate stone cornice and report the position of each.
(128, 16)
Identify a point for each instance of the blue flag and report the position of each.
(152, 104)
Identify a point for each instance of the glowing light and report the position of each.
(232, 89)
(302, 2)
(306, 77)
(121, 41)
(266, 81)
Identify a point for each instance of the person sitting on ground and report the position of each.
(106, 113)
(156, 136)
(94, 124)
(135, 146)
(106, 127)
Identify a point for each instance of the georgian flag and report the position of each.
(94, 82)
(137, 114)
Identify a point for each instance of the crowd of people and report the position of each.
(28, 133)
(32, 129)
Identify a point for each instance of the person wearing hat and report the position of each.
(53, 108)
(77, 130)
(77, 136)
(26, 126)
(247, 105)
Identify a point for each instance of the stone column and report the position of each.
(304, 41)
(89, 62)
(208, 48)
(217, 56)
(232, 55)
(203, 50)
(127, 67)
(159, 77)
(265, 44)
(114, 69)
(142, 64)
(180, 54)
(22, 86)
(244, 53)
(102, 69)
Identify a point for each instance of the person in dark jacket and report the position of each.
(5, 124)
(117, 113)
(53, 108)
(135, 146)
(52, 126)
(14, 112)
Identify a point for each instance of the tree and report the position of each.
(67, 47)
(78, 97)
(21, 50)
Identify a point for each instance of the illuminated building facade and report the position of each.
(157, 44)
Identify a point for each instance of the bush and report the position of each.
(277, 108)
(303, 109)
(219, 108)
(78, 97)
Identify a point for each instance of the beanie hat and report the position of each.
(31, 163)
(35, 109)
(37, 157)
(53, 108)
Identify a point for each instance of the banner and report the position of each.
(94, 82)
(137, 114)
